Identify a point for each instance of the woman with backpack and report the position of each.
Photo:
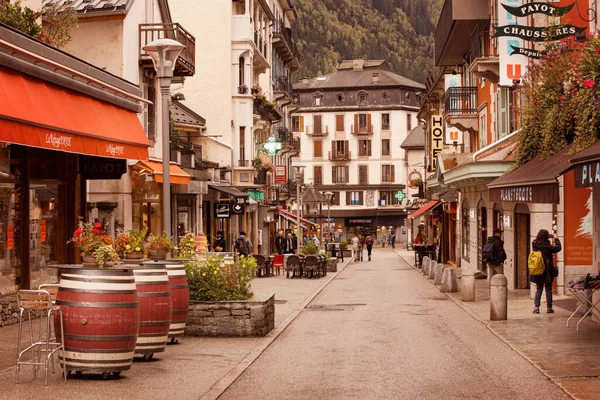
(369, 243)
(544, 281)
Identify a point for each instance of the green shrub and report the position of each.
(343, 245)
(310, 248)
(212, 280)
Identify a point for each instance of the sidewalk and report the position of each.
(566, 356)
(199, 368)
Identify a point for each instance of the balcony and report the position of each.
(243, 163)
(456, 22)
(460, 108)
(363, 130)
(186, 62)
(317, 130)
(483, 65)
(282, 87)
(339, 156)
(284, 45)
(187, 154)
(261, 55)
(266, 111)
(283, 135)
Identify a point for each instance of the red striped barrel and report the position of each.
(154, 296)
(101, 318)
(181, 297)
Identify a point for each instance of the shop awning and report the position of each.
(293, 218)
(427, 207)
(178, 176)
(229, 190)
(533, 182)
(586, 166)
(39, 114)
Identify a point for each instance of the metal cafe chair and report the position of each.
(40, 301)
(262, 265)
(293, 264)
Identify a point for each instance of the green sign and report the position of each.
(256, 195)
(272, 146)
(400, 196)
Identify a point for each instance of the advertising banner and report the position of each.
(579, 224)
(512, 66)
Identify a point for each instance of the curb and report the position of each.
(222, 384)
(491, 329)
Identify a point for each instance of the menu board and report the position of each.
(201, 244)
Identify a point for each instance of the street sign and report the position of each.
(222, 210)
(237, 209)
(280, 174)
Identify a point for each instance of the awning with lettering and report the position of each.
(177, 175)
(426, 208)
(40, 114)
(533, 182)
(586, 166)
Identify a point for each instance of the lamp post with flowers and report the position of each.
(164, 53)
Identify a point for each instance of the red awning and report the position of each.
(39, 114)
(177, 175)
(427, 207)
(293, 218)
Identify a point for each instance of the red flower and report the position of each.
(78, 232)
(589, 83)
(574, 90)
(97, 225)
(597, 49)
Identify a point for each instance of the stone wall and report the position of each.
(254, 317)
(9, 313)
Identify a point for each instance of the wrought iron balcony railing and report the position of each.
(339, 156)
(362, 129)
(460, 100)
(317, 130)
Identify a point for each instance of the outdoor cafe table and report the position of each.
(422, 250)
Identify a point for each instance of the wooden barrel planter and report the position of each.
(101, 319)
(154, 296)
(180, 296)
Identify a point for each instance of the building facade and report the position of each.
(351, 124)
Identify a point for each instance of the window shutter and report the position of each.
(369, 148)
(339, 123)
(346, 174)
(346, 148)
(348, 198)
(369, 123)
(316, 124)
(302, 123)
(318, 148)
(393, 173)
(355, 122)
(360, 198)
(333, 175)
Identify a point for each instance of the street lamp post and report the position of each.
(298, 175)
(329, 196)
(164, 53)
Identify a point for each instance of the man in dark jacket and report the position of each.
(291, 244)
(496, 264)
(544, 281)
(220, 244)
(280, 243)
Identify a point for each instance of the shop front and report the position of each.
(380, 227)
(55, 133)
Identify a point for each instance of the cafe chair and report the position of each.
(262, 265)
(293, 264)
(311, 266)
(39, 301)
(278, 263)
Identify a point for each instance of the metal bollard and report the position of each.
(468, 284)
(498, 298)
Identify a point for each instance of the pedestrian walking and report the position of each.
(355, 242)
(394, 240)
(243, 245)
(219, 244)
(544, 282)
(291, 244)
(360, 248)
(494, 254)
(315, 240)
(382, 242)
(280, 242)
(369, 243)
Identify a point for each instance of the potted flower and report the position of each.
(158, 246)
(130, 245)
(88, 238)
(256, 89)
(243, 88)
(187, 246)
(104, 254)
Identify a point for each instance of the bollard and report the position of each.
(439, 272)
(468, 284)
(449, 283)
(498, 298)
(425, 265)
(431, 270)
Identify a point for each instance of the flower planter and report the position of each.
(242, 90)
(101, 319)
(253, 317)
(90, 262)
(158, 255)
(136, 257)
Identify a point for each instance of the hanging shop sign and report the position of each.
(272, 147)
(400, 196)
(437, 139)
(512, 66)
(453, 135)
(256, 195)
(587, 175)
(538, 8)
(530, 53)
(237, 209)
(280, 174)
(537, 34)
(222, 210)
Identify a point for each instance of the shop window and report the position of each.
(466, 230)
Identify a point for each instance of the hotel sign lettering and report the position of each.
(587, 175)
(437, 139)
(542, 194)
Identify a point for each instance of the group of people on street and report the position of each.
(494, 256)
(287, 244)
(359, 242)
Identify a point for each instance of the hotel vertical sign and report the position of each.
(513, 65)
(437, 139)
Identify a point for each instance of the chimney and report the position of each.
(358, 64)
(305, 81)
(375, 78)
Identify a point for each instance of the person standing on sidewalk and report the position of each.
(280, 242)
(243, 245)
(369, 243)
(355, 243)
(494, 254)
(360, 248)
(544, 281)
(394, 240)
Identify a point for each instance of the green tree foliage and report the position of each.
(398, 31)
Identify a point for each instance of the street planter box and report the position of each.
(254, 317)
(332, 264)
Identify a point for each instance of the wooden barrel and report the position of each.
(101, 319)
(180, 295)
(154, 296)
